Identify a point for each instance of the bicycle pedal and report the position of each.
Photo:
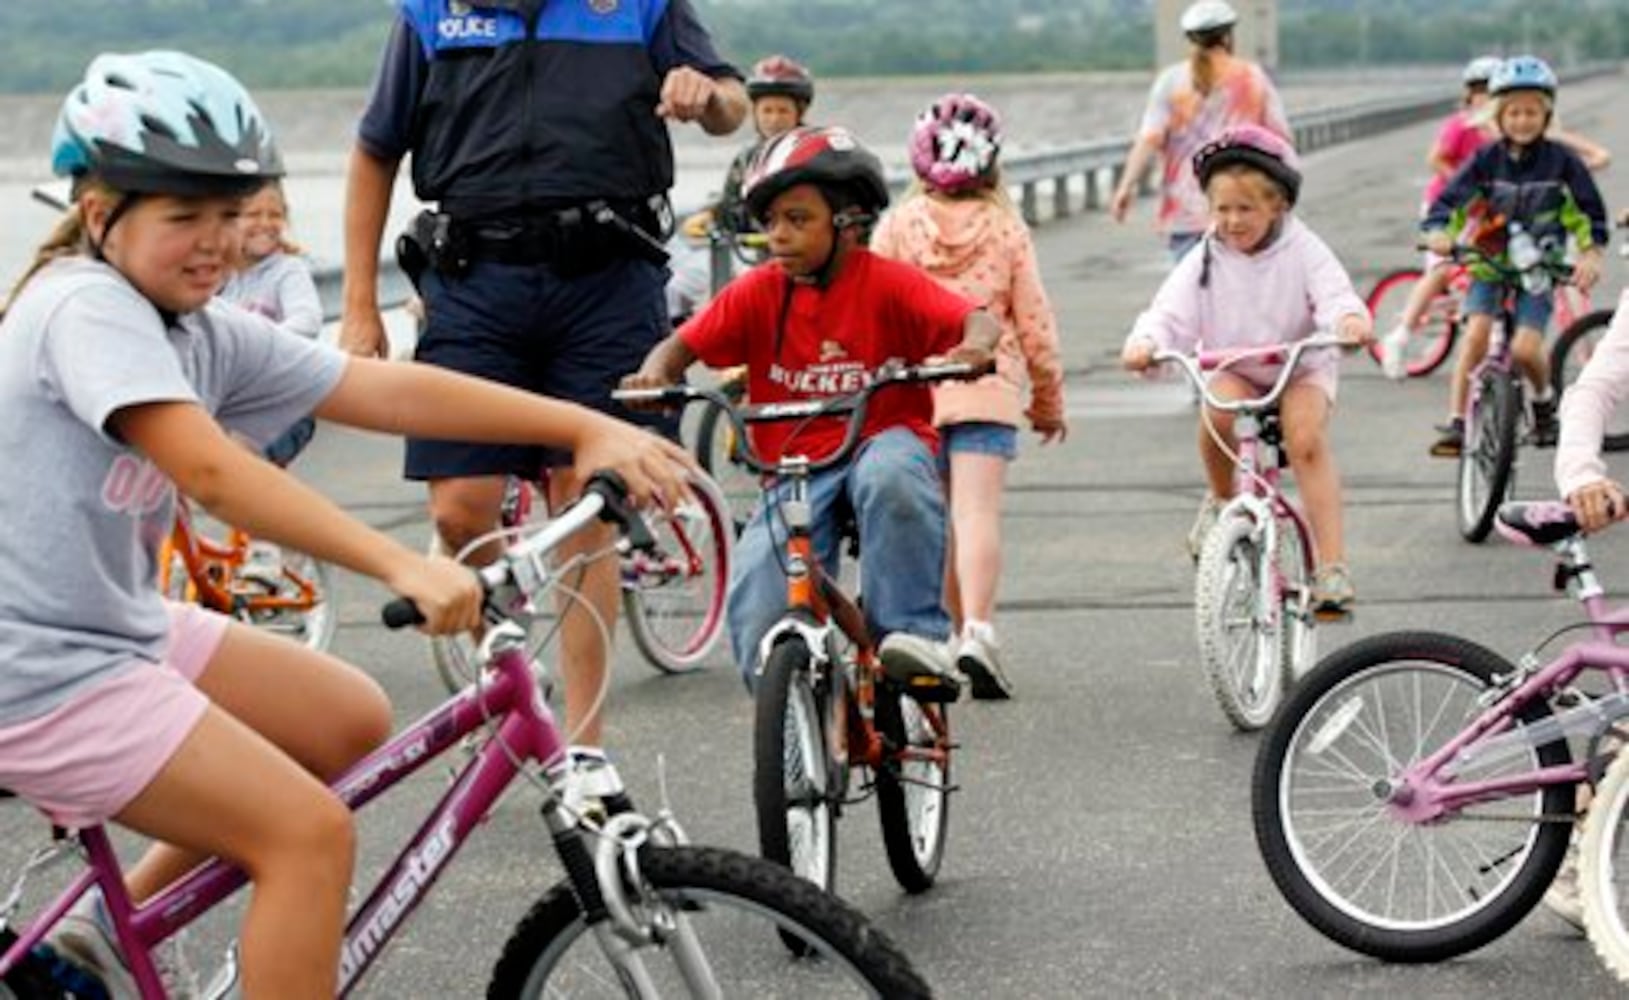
(1333, 616)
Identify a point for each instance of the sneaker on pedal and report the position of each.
(85, 937)
(921, 666)
(1332, 591)
(1450, 440)
(1394, 353)
(979, 657)
(1545, 429)
(263, 564)
(590, 785)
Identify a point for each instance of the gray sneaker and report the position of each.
(979, 657)
(1210, 509)
(921, 666)
(84, 936)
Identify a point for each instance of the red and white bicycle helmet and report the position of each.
(826, 156)
(1254, 146)
(955, 143)
(781, 76)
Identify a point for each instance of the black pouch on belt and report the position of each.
(433, 239)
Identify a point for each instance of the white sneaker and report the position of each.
(979, 657)
(1394, 353)
(589, 784)
(263, 564)
(922, 666)
(85, 937)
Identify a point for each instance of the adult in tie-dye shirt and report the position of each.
(1190, 104)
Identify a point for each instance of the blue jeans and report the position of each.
(893, 488)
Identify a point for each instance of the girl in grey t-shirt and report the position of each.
(121, 382)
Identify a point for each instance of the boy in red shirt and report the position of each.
(813, 323)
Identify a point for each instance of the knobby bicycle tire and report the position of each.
(1600, 858)
(701, 883)
(1487, 459)
(1567, 359)
(913, 796)
(1328, 745)
(1241, 656)
(1432, 342)
(791, 783)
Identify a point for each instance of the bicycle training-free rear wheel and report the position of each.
(1240, 637)
(1603, 869)
(1339, 849)
(674, 597)
(791, 784)
(737, 910)
(913, 786)
(1487, 459)
(1573, 348)
(716, 451)
(1432, 340)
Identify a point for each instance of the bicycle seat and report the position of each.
(1542, 522)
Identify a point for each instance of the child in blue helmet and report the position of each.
(1524, 179)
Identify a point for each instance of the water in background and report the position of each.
(315, 129)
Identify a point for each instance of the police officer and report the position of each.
(538, 128)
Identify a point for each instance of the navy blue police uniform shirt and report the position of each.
(515, 104)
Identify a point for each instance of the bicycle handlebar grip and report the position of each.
(611, 488)
(400, 613)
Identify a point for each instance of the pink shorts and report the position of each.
(85, 760)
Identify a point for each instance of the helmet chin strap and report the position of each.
(125, 204)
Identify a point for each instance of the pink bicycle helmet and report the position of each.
(955, 143)
(1254, 146)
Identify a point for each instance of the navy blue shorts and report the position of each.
(522, 325)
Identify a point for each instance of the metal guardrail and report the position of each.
(1100, 164)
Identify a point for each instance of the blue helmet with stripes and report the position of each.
(1523, 73)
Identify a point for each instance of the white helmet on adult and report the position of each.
(1208, 16)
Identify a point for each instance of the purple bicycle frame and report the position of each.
(523, 725)
(1423, 796)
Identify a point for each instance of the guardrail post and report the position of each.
(1060, 196)
(1032, 214)
(720, 265)
(1094, 190)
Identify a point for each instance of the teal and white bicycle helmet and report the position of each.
(1523, 73)
(164, 123)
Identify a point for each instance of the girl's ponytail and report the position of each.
(1202, 67)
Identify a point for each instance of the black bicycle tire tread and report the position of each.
(892, 810)
(1409, 947)
(785, 661)
(1563, 346)
(839, 925)
(1500, 384)
(1204, 584)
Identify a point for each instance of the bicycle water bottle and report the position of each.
(1525, 257)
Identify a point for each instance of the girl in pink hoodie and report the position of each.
(960, 226)
(1259, 277)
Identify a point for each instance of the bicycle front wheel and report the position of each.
(674, 595)
(1432, 339)
(716, 451)
(1603, 869)
(1341, 851)
(1487, 459)
(1572, 351)
(792, 786)
(735, 909)
(1240, 638)
(913, 786)
(1299, 634)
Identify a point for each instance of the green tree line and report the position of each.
(309, 43)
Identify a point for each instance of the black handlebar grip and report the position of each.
(400, 613)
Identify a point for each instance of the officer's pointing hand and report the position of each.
(685, 94)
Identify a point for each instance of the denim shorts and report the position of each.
(525, 326)
(1532, 311)
(977, 437)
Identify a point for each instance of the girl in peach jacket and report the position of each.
(959, 225)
